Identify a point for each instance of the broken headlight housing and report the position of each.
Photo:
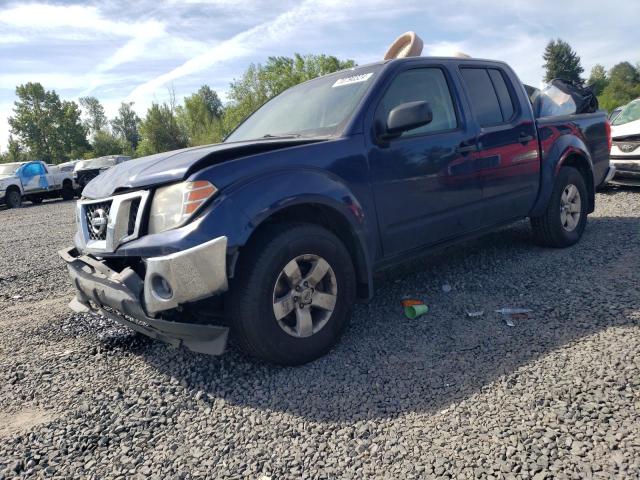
(174, 205)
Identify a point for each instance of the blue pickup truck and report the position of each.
(273, 234)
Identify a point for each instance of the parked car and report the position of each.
(33, 181)
(275, 233)
(625, 151)
(86, 170)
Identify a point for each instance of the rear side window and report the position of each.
(506, 104)
(489, 95)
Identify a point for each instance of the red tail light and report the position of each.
(607, 127)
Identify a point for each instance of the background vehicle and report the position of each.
(33, 181)
(275, 232)
(614, 113)
(625, 151)
(86, 170)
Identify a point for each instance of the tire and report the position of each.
(36, 199)
(13, 198)
(260, 285)
(559, 226)
(67, 192)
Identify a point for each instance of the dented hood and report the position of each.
(177, 165)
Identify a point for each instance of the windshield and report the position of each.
(9, 168)
(320, 107)
(629, 113)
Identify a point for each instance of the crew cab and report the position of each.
(33, 181)
(273, 234)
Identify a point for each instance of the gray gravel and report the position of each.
(446, 395)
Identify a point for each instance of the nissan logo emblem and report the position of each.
(98, 221)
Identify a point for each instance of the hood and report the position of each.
(177, 165)
(625, 130)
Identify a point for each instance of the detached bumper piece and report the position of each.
(169, 281)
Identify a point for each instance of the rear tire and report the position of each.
(274, 314)
(564, 220)
(14, 198)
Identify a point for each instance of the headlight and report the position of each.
(172, 206)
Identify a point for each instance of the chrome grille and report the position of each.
(107, 223)
(91, 212)
(133, 216)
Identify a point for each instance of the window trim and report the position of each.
(516, 104)
(454, 102)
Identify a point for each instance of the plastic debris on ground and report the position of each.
(511, 311)
(509, 322)
(414, 308)
(476, 313)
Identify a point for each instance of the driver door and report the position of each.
(33, 177)
(424, 182)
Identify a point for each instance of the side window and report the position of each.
(484, 100)
(421, 84)
(504, 97)
(32, 169)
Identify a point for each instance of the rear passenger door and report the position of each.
(508, 163)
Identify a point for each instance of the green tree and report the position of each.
(623, 86)
(561, 62)
(106, 143)
(159, 131)
(260, 83)
(95, 118)
(598, 79)
(125, 126)
(14, 153)
(199, 117)
(46, 126)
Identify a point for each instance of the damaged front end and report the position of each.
(144, 298)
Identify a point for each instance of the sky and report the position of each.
(136, 50)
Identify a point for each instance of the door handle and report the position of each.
(524, 138)
(467, 148)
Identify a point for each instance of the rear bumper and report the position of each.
(169, 281)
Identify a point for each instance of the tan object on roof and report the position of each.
(461, 55)
(408, 44)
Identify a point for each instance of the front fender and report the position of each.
(554, 157)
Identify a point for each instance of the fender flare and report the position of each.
(564, 150)
(263, 198)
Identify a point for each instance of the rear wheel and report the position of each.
(14, 198)
(293, 294)
(565, 218)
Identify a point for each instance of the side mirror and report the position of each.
(408, 116)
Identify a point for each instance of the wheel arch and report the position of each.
(326, 216)
(568, 151)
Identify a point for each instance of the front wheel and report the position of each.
(293, 294)
(14, 199)
(564, 220)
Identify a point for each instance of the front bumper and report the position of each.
(169, 281)
(627, 171)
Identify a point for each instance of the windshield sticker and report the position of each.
(349, 80)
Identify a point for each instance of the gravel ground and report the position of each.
(444, 396)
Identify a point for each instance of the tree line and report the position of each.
(45, 127)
